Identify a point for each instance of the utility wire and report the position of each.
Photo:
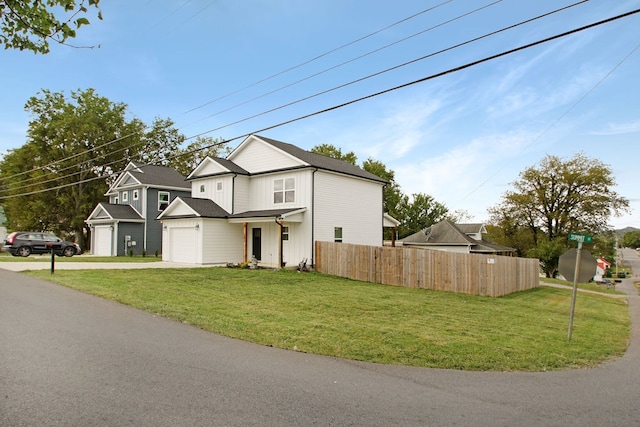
(422, 58)
(249, 86)
(353, 101)
(562, 116)
(322, 55)
(356, 59)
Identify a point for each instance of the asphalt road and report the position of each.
(70, 359)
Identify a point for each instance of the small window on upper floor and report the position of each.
(219, 186)
(284, 190)
(163, 200)
(115, 200)
(202, 188)
(125, 196)
(136, 194)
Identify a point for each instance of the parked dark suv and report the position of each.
(25, 243)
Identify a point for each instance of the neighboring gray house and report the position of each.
(127, 222)
(450, 237)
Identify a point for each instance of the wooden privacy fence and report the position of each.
(474, 274)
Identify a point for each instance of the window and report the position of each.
(115, 200)
(285, 233)
(337, 234)
(135, 195)
(284, 190)
(219, 186)
(163, 200)
(125, 196)
(202, 188)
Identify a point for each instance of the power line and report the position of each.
(239, 90)
(398, 87)
(422, 58)
(356, 58)
(562, 116)
(322, 55)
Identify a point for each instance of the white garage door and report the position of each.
(182, 242)
(102, 240)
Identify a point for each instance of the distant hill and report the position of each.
(621, 232)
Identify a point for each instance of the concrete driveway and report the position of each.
(71, 359)
(44, 263)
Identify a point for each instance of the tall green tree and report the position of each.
(31, 25)
(555, 198)
(335, 153)
(419, 212)
(631, 239)
(548, 252)
(75, 147)
(558, 197)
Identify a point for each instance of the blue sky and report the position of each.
(462, 138)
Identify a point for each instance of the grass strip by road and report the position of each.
(321, 314)
(6, 257)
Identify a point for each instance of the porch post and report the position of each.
(245, 254)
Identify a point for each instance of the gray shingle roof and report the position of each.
(228, 164)
(205, 208)
(446, 233)
(120, 212)
(159, 176)
(322, 162)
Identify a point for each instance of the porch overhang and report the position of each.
(270, 215)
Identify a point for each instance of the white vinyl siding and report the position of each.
(223, 198)
(261, 190)
(223, 242)
(257, 156)
(353, 204)
(212, 242)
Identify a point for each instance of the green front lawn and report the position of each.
(320, 314)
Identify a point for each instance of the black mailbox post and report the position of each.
(53, 247)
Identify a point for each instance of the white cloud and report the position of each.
(464, 177)
(619, 128)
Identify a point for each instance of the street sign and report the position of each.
(567, 265)
(582, 238)
(576, 265)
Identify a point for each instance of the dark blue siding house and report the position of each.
(127, 224)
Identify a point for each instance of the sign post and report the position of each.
(580, 238)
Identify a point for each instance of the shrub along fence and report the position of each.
(474, 274)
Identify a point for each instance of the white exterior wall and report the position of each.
(261, 157)
(214, 241)
(300, 244)
(351, 203)
(223, 198)
(242, 195)
(261, 190)
(222, 242)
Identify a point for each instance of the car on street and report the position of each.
(25, 243)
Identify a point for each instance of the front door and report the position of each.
(257, 243)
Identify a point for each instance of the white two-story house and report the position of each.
(270, 201)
